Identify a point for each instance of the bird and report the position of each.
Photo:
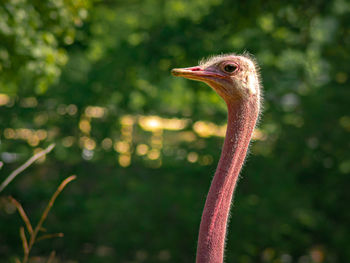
(236, 79)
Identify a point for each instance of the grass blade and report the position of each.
(48, 208)
(50, 236)
(25, 166)
(22, 214)
(24, 240)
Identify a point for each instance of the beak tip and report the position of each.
(174, 72)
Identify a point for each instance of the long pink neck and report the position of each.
(242, 116)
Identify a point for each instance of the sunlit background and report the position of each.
(93, 77)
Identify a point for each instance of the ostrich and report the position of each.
(236, 79)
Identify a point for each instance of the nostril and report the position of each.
(195, 69)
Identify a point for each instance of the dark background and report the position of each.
(94, 78)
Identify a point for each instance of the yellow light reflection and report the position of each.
(174, 124)
(187, 136)
(107, 143)
(122, 147)
(206, 160)
(317, 254)
(153, 154)
(89, 144)
(41, 118)
(259, 135)
(68, 141)
(142, 149)
(23, 133)
(192, 157)
(4, 99)
(207, 129)
(153, 123)
(72, 109)
(85, 126)
(33, 140)
(32, 137)
(30, 102)
(127, 120)
(61, 109)
(150, 123)
(95, 111)
(42, 134)
(9, 133)
(124, 160)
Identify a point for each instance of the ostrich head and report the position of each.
(233, 77)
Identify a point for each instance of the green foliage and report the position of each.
(33, 38)
(292, 202)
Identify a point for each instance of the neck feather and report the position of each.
(242, 117)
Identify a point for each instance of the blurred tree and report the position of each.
(33, 37)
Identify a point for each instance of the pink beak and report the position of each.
(196, 73)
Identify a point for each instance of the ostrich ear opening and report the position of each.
(252, 83)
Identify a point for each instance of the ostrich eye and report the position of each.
(230, 68)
